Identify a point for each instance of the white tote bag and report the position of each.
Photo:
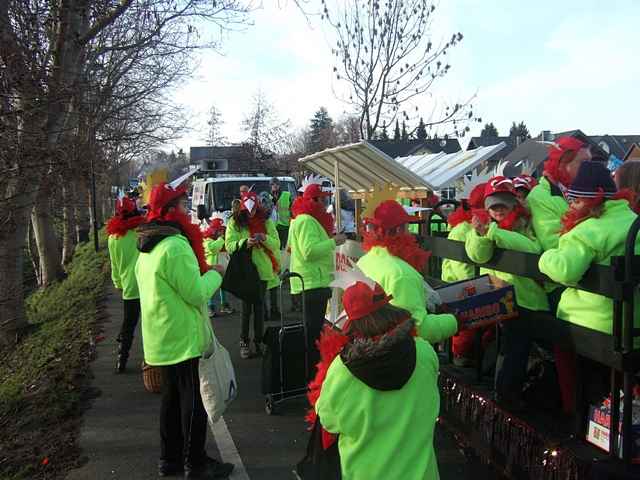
(218, 386)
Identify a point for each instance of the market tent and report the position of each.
(361, 166)
(440, 170)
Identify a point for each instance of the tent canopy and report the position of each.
(440, 170)
(362, 166)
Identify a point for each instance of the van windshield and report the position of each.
(225, 192)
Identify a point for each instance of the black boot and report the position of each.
(124, 346)
(123, 357)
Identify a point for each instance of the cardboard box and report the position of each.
(598, 430)
(479, 302)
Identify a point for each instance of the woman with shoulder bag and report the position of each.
(250, 228)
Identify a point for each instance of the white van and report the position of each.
(212, 195)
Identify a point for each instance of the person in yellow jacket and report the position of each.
(505, 224)
(313, 253)
(251, 226)
(452, 271)
(175, 284)
(213, 244)
(124, 254)
(395, 261)
(378, 382)
(594, 230)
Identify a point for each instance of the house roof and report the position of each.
(619, 145)
(529, 154)
(509, 142)
(633, 152)
(408, 147)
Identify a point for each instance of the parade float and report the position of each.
(602, 439)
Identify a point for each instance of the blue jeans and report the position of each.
(217, 301)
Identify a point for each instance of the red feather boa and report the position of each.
(306, 206)
(556, 173)
(404, 246)
(193, 234)
(329, 345)
(592, 208)
(460, 215)
(510, 222)
(118, 226)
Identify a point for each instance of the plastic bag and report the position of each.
(433, 298)
(218, 385)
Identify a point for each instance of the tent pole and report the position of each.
(337, 195)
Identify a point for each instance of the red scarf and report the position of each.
(118, 226)
(593, 208)
(193, 234)
(306, 206)
(404, 246)
(258, 224)
(460, 215)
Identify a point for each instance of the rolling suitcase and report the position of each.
(285, 363)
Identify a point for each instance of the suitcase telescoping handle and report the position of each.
(283, 278)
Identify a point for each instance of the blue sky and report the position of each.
(557, 65)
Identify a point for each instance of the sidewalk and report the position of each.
(120, 433)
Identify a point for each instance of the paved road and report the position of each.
(120, 436)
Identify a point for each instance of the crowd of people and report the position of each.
(376, 377)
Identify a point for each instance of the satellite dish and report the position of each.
(443, 143)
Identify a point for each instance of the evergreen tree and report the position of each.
(421, 132)
(396, 132)
(489, 131)
(519, 132)
(322, 130)
(383, 135)
(405, 135)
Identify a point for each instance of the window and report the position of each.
(448, 193)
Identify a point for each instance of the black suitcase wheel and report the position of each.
(269, 406)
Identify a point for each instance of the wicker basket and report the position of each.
(152, 378)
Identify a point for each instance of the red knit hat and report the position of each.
(388, 215)
(476, 197)
(360, 300)
(125, 206)
(315, 191)
(161, 195)
(525, 181)
(562, 145)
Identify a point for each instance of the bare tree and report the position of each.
(266, 132)
(215, 123)
(54, 96)
(385, 54)
(348, 130)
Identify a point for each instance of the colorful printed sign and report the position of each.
(478, 303)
